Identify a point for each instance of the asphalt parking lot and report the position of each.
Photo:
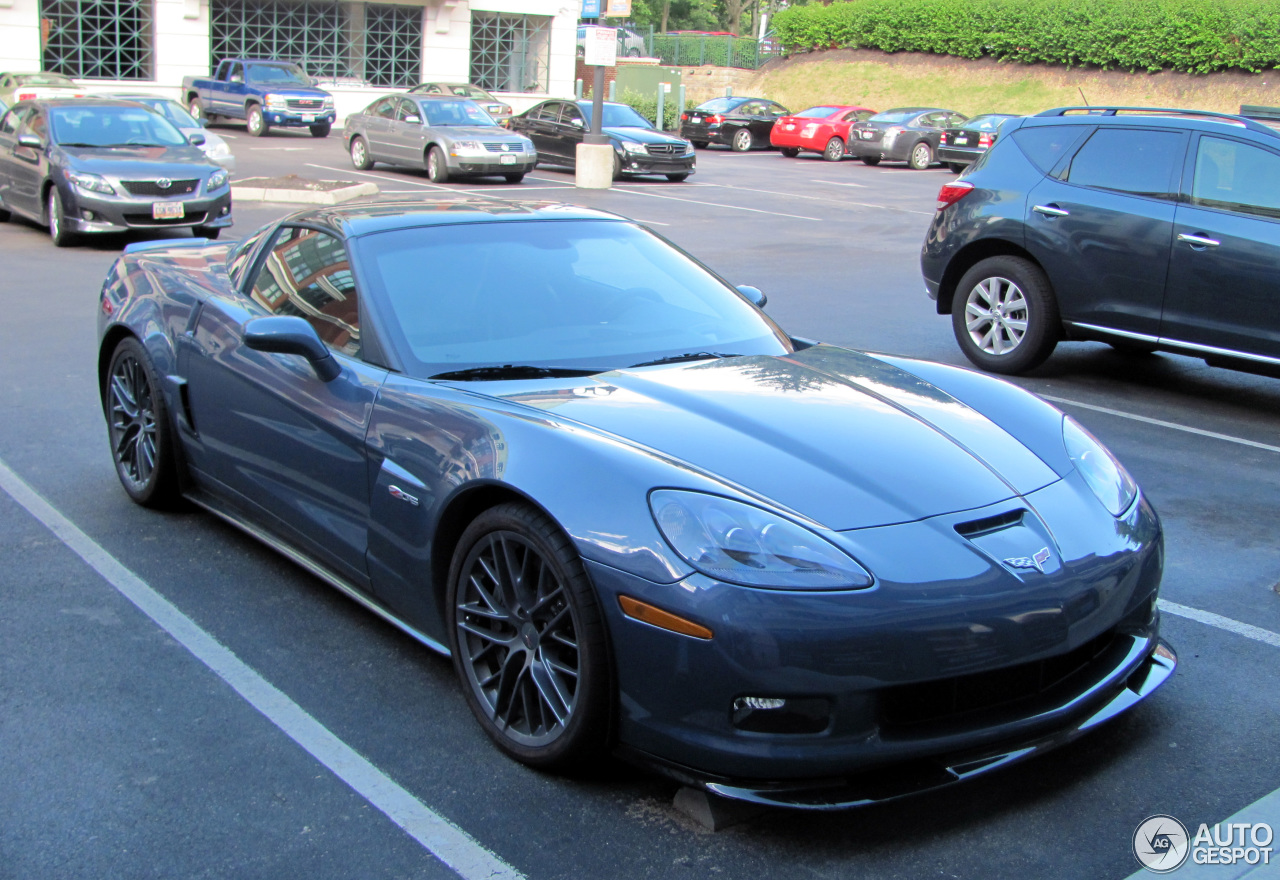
(327, 744)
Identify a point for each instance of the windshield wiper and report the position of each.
(513, 371)
(676, 358)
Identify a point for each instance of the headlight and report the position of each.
(277, 102)
(467, 147)
(217, 180)
(220, 149)
(328, 103)
(633, 147)
(736, 542)
(688, 148)
(528, 145)
(91, 182)
(1106, 477)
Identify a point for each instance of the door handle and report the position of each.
(1050, 211)
(1198, 240)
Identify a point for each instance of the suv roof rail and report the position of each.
(1112, 110)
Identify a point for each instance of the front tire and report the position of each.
(677, 178)
(834, 151)
(321, 131)
(921, 156)
(956, 167)
(515, 177)
(1004, 315)
(255, 121)
(196, 109)
(437, 166)
(741, 141)
(138, 427)
(528, 639)
(209, 232)
(360, 154)
(58, 230)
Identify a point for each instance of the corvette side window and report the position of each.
(307, 274)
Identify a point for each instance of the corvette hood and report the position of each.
(838, 436)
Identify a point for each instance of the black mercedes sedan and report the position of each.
(740, 123)
(87, 165)
(904, 134)
(557, 127)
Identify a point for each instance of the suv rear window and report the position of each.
(1132, 160)
(1044, 145)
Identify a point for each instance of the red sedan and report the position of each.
(822, 130)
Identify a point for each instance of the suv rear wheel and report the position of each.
(1005, 316)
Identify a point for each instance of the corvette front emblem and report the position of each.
(1037, 561)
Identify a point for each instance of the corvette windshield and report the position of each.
(590, 294)
(112, 126)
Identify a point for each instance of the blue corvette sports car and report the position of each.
(641, 518)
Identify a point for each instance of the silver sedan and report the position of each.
(449, 136)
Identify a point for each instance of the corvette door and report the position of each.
(272, 437)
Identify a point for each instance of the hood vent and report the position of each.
(988, 524)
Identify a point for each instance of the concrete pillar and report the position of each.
(594, 166)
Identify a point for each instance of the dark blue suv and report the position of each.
(1144, 228)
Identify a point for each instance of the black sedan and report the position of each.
(638, 515)
(740, 123)
(557, 127)
(88, 165)
(961, 146)
(904, 134)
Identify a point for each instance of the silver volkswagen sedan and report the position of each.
(449, 136)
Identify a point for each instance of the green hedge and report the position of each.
(647, 106)
(1196, 36)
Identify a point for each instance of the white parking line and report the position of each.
(400, 180)
(1163, 424)
(652, 195)
(839, 183)
(446, 841)
(1248, 630)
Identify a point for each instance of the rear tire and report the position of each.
(1004, 315)
(196, 109)
(789, 152)
(700, 145)
(956, 167)
(360, 154)
(871, 160)
(139, 429)
(834, 151)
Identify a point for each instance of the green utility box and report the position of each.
(645, 79)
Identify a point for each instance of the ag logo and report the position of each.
(1161, 844)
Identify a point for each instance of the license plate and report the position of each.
(866, 135)
(168, 210)
(495, 108)
(506, 160)
(695, 118)
(962, 140)
(788, 128)
(308, 117)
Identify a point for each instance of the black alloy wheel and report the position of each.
(138, 427)
(528, 640)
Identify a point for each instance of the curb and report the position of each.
(303, 196)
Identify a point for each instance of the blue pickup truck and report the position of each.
(263, 93)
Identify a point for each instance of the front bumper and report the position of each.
(521, 163)
(86, 212)
(645, 163)
(900, 676)
(296, 119)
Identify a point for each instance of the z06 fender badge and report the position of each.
(402, 495)
(1037, 561)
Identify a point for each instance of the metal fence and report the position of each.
(697, 50)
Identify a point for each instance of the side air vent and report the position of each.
(989, 524)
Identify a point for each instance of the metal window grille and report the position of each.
(97, 39)
(510, 53)
(375, 43)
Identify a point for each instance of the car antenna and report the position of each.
(1082, 97)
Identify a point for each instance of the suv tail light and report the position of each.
(984, 140)
(953, 192)
(684, 117)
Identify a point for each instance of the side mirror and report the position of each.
(577, 123)
(754, 294)
(289, 334)
(413, 120)
(236, 78)
(196, 139)
(30, 140)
